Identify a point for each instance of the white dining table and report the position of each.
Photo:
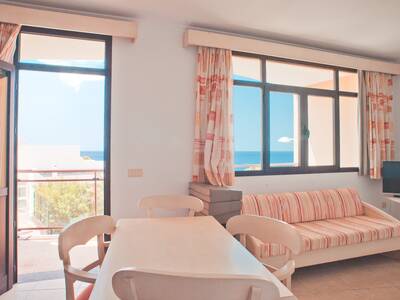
(196, 245)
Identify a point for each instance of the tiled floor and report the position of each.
(39, 290)
(368, 278)
(38, 258)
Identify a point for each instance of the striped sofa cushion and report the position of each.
(338, 232)
(298, 207)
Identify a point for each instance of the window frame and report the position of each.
(303, 93)
(105, 71)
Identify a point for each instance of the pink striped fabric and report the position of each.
(213, 134)
(338, 232)
(8, 38)
(379, 117)
(325, 218)
(301, 207)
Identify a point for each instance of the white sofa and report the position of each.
(334, 225)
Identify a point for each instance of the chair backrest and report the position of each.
(267, 230)
(81, 232)
(134, 284)
(171, 202)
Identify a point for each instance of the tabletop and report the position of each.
(196, 245)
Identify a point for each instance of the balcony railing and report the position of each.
(50, 199)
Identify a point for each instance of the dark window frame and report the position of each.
(303, 93)
(106, 72)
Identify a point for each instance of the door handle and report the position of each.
(3, 192)
(306, 132)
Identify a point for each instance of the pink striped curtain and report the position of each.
(378, 100)
(213, 141)
(8, 38)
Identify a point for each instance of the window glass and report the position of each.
(247, 107)
(348, 81)
(284, 129)
(299, 75)
(321, 131)
(246, 68)
(61, 51)
(60, 128)
(349, 149)
(299, 120)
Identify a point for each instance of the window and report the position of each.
(61, 51)
(284, 134)
(63, 127)
(248, 134)
(293, 117)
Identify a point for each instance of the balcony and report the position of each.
(47, 201)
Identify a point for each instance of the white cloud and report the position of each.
(285, 140)
(75, 80)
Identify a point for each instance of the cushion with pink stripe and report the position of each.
(338, 232)
(300, 207)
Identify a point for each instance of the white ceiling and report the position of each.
(360, 27)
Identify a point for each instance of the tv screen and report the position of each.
(391, 176)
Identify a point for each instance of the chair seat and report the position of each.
(85, 294)
(338, 232)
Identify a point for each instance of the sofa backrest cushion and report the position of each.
(300, 207)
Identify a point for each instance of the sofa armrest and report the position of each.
(374, 212)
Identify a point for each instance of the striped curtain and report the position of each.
(213, 141)
(8, 38)
(376, 120)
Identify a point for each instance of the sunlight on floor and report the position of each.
(38, 258)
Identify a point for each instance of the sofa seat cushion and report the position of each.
(337, 232)
(298, 207)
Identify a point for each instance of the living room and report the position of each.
(146, 127)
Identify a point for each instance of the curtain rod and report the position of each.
(199, 37)
(40, 17)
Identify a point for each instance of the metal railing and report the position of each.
(57, 175)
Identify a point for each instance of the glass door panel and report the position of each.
(284, 129)
(4, 242)
(321, 131)
(60, 148)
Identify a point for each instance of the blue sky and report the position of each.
(61, 109)
(68, 109)
(247, 110)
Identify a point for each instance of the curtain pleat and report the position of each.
(8, 41)
(213, 142)
(376, 122)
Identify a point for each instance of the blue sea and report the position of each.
(95, 155)
(243, 158)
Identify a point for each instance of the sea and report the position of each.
(241, 157)
(94, 155)
(245, 158)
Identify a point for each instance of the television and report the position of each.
(391, 177)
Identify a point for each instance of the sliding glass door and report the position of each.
(63, 141)
(6, 182)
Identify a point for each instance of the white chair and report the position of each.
(272, 231)
(133, 284)
(80, 233)
(171, 202)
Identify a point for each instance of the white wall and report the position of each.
(369, 190)
(152, 124)
(152, 113)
